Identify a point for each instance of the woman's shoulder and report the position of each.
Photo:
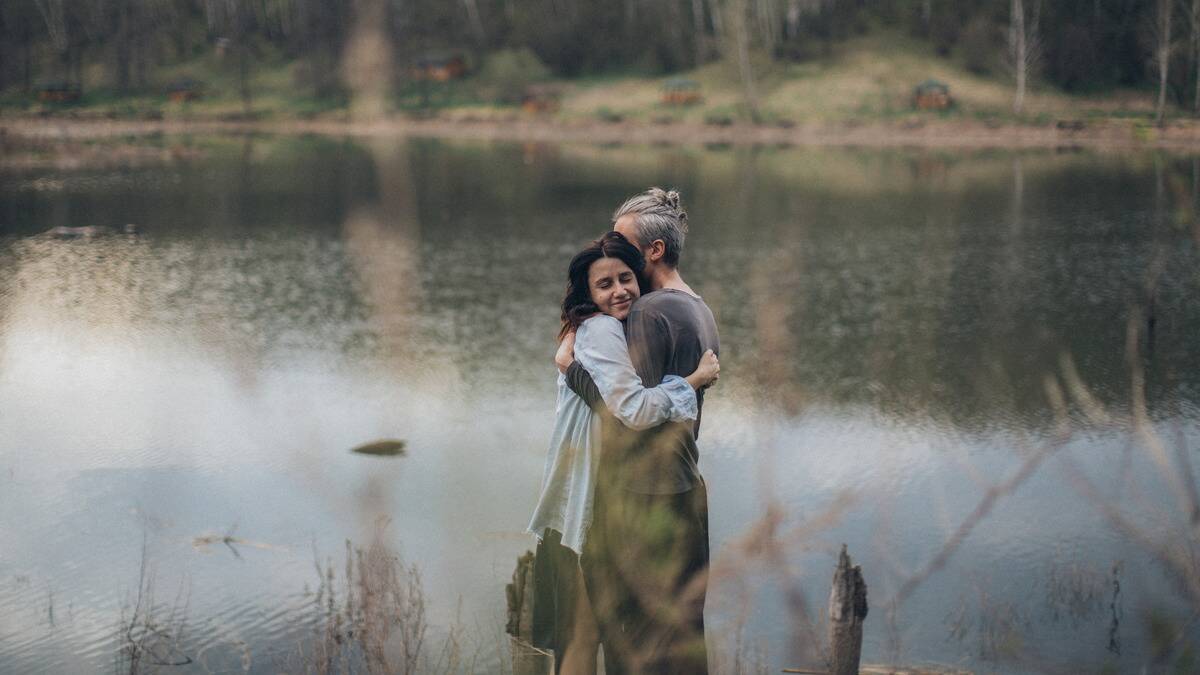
(598, 329)
(600, 322)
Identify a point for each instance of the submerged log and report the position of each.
(847, 610)
(388, 447)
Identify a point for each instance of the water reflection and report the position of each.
(890, 319)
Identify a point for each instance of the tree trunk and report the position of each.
(700, 38)
(244, 73)
(75, 64)
(739, 33)
(1196, 52)
(139, 58)
(367, 60)
(1163, 53)
(27, 48)
(1020, 57)
(768, 23)
(847, 610)
(123, 46)
(714, 9)
(476, 21)
(926, 14)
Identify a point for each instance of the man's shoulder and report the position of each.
(673, 305)
(667, 298)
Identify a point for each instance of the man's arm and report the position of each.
(580, 382)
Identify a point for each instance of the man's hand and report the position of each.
(566, 352)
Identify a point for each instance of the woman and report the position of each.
(603, 281)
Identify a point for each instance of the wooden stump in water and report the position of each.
(527, 659)
(847, 610)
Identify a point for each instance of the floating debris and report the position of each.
(202, 542)
(384, 448)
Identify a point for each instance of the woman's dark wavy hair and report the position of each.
(578, 305)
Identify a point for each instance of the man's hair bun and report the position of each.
(672, 200)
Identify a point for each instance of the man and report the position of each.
(646, 558)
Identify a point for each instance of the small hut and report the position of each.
(59, 92)
(184, 89)
(932, 95)
(681, 91)
(439, 67)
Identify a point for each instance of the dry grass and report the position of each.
(151, 635)
(371, 618)
(866, 79)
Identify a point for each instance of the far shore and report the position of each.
(935, 132)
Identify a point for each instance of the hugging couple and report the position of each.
(622, 520)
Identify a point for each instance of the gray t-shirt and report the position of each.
(668, 331)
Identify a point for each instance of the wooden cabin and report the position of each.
(439, 67)
(681, 91)
(59, 92)
(932, 95)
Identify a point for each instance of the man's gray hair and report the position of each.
(657, 215)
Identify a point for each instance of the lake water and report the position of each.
(896, 328)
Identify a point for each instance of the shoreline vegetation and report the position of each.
(861, 92)
(82, 140)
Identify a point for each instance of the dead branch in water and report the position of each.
(148, 638)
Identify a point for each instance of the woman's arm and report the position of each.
(601, 349)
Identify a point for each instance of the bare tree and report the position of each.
(718, 22)
(366, 64)
(1162, 53)
(1024, 47)
(55, 15)
(766, 16)
(1195, 50)
(738, 47)
(792, 19)
(700, 38)
(795, 10)
(235, 18)
(476, 22)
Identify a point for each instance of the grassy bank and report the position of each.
(865, 80)
(860, 93)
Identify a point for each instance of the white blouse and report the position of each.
(569, 481)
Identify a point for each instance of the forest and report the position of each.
(123, 47)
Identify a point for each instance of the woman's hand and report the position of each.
(566, 352)
(707, 373)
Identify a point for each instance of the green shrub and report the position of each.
(506, 74)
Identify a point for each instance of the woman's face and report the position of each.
(613, 286)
